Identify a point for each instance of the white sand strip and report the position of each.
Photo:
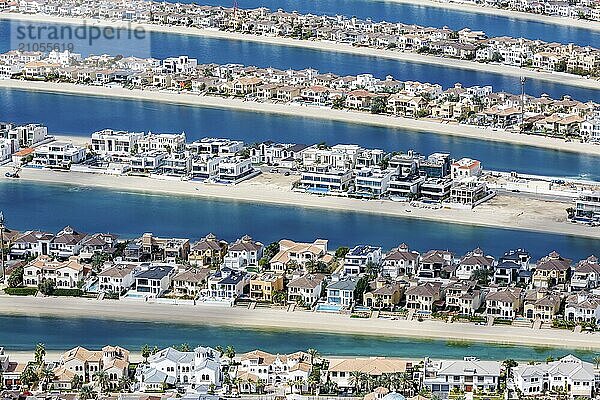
(260, 318)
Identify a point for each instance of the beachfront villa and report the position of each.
(11, 371)
(359, 258)
(504, 303)
(208, 251)
(552, 270)
(299, 254)
(116, 278)
(305, 289)
(442, 377)
(64, 274)
(341, 370)
(273, 369)
(340, 291)
(174, 368)
(265, 286)
(58, 155)
(400, 261)
(243, 253)
(190, 282)
(568, 374)
(112, 360)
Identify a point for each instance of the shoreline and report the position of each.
(314, 112)
(298, 320)
(319, 45)
(520, 15)
(533, 215)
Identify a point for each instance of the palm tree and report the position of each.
(229, 353)
(596, 360)
(125, 383)
(184, 347)
(29, 377)
(86, 393)
(386, 381)
(403, 381)
(219, 348)
(102, 380)
(299, 384)
(46, 375)
(260, 386)
(313, 381)
(314, 354)
(354, 380)
(39, 354)
(75, 382)
(145, 352)
(291, 385)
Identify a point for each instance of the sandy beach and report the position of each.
(561, 78)
(500, 212)
(305, 111)
(473, 8)
(260, 318)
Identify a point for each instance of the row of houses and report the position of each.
(464, 44)
(475, 105)
(578, 9)
(14, 137)
(342, 169)
(311, 275)
(204, 370)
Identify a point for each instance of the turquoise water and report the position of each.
(51, 207)
(23, 333)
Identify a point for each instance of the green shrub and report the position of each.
(67, 292)
(21, 291)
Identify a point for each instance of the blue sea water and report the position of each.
(129, 214)
(62, 334)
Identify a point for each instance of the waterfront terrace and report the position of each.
(472, 46)
(477, 106)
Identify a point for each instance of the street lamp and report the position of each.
(2, 245)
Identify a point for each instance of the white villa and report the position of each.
(64, 274)
(201, 367)
(569, 373)
(468, 375)
(273, 369)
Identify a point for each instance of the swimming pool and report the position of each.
(328, 308)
